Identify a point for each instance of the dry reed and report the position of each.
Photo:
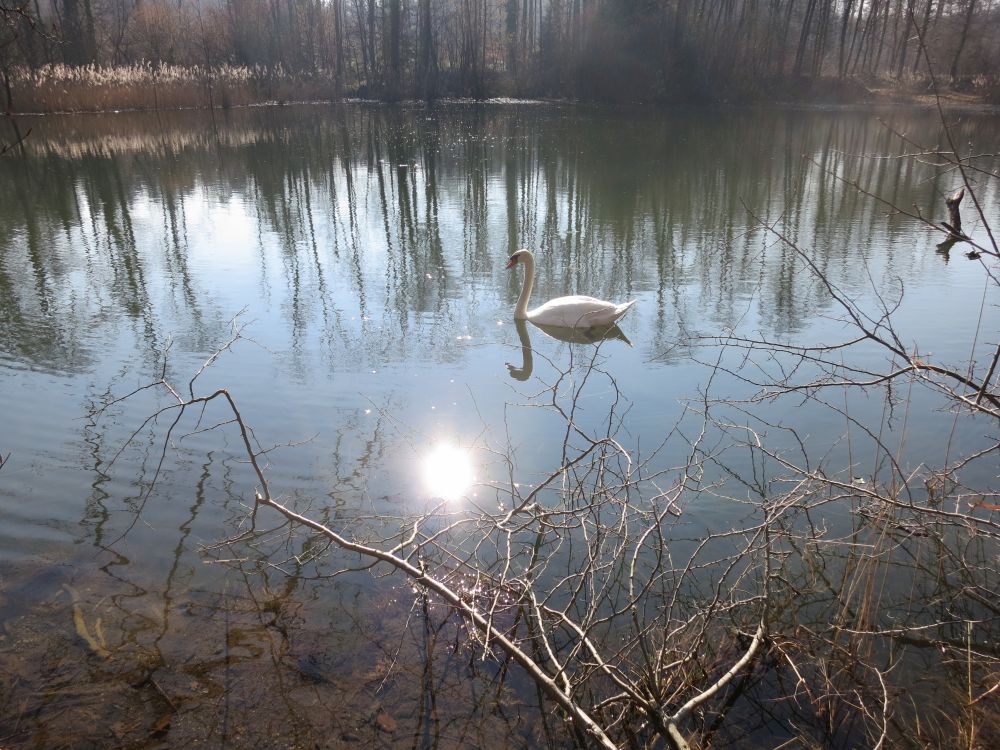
(142, 86)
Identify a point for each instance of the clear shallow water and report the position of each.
(365, 247)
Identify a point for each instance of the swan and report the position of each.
(575, 311)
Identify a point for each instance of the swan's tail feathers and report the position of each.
(623, 308)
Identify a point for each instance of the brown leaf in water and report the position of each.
(162, 725)
(385, 722)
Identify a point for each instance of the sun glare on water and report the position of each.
(448, 472)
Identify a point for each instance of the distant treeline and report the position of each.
(614, 50)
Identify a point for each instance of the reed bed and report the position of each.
(143, 86)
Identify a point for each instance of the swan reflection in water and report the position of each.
(594, 335)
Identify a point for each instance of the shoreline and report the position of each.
(950, 101)
(62, 91)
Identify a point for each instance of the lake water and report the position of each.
(363, 249)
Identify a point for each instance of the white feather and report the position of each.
(578, 311)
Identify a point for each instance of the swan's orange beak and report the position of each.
(512, 262)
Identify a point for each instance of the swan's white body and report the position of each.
(575, 311)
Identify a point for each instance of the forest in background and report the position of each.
(227, 52)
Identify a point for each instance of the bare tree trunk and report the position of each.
(858, 37)
(338, 41)
(961, 41)
(881, 39)
(90, 28)
(924, 23)
(482, 66)
(428, 59)
(905, 41)
(845, 21)
(526, 18)
(73, 34)
(366, 64)
(783, 45)
(321, 55)
(395, 75)
(371, 40)
(512, 13)
(800, 52)
(819, 46)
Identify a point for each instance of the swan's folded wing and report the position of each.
(577, 311)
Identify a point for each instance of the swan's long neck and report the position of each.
(521, 309)
(524, 372)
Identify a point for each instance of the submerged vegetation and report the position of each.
(85, 55)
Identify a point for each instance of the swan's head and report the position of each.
(518, 257)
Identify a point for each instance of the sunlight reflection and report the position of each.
(448, 471)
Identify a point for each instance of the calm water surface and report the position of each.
(363, 249)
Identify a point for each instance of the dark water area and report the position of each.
(363, 249)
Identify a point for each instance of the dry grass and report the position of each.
(93, 88)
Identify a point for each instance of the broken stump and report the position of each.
(954, 223)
